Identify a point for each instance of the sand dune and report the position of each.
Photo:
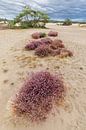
(16, 64)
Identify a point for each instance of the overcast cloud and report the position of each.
(57, 9)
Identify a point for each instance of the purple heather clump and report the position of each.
(37, 96)
(55, 52)
(33, 45)
(46, 46)
(42, 51)
(65, 53)
(57, 44)
(53, 34)
(30, 46)
(38, 35)
(47, 41)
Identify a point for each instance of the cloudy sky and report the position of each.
(57, 9)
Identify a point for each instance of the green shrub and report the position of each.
(11, 24)
(25, 25)
(67, 22)
(42, 35)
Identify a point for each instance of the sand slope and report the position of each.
(16, 64)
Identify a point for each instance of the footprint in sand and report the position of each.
(5, 81)
(12, 84)
(5, 70)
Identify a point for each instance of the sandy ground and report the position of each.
(16, 64)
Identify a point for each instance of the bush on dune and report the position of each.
(46, 46)
(34, 44)
(53, 34)
(30, 46)
(67, 22)
(55, 52)
(61, 52)
(38, 35)
(36, 97)
(25, 25)
(57, 44)
(29, 18)
(42, 51)
(65, 53)
(47, 41)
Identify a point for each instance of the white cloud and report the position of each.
(41, 1)
(56, 8)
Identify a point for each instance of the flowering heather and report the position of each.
(42, 51)
(64, 53)
(44, 41)
(30, 46)
(46, 46)
(47, 41)
(53, 34)
(37, 96)
(33, 45)
(38, 35)
(57, 44)
(55, 52)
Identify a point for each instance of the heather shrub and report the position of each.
(46, 46)
(57, 41)
(38, 35)
(37, 96)
(30, 46)
(57, 44)
(46, 40)
(64, 53)
(53, 34)
(55, 52)
(42, 51)
(33, 45)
